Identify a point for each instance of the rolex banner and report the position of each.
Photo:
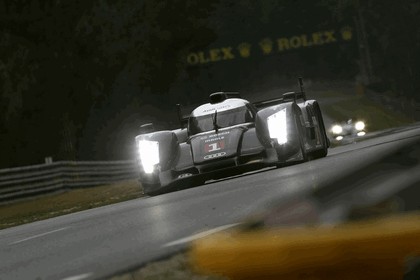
(270, 46)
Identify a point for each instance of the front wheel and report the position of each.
(157, 189)
(151, 189)
(189, 183)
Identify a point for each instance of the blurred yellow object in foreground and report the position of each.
(374, 249)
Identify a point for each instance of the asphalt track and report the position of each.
(99, 242)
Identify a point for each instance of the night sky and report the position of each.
(78, 78)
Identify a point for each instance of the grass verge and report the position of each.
(359, 107)
(53, 205)
(177, 267)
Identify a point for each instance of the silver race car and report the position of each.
(348, 129)
(229, 136)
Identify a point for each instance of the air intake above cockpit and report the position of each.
(218, 97)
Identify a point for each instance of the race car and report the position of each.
(229, 136)
(348, 128)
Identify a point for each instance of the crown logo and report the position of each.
(266, 45)
(346, 33)
(244, 49)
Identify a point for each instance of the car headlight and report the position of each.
(149, 154)
(277, 126)
(359, 125)
(337, 129)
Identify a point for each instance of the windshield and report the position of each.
(223, 119)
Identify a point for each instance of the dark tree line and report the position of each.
(76, 77)
(60, 62)
(392, 30)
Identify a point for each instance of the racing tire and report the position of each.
(199, 181)
(157, 189)
(152, 189)
(189, 183)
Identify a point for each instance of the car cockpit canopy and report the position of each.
(225, 109)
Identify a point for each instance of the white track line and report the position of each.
(78, 277)
(198, 235)
(36, 236)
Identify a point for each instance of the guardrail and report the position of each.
(20, 182)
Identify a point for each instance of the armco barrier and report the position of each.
(373, 249)
(20, 182)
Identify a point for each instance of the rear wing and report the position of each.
(220, 96)
(286, 97)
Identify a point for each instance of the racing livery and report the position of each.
(228, 136)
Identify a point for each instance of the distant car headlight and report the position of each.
(359, 125)
(149, 154)
(361, 133)
(337, 129)
(277, 126)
